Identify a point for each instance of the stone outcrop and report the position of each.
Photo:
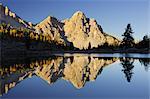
(51, 28)
(111, 41)
(83, 32)
(9, 17)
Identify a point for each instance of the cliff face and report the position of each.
(110, 40)
(83, 32)
(9, 17)
(51, 28)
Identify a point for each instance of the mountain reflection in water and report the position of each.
(76, 69)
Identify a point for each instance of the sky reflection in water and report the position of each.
(77, 76)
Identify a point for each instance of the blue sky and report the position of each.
(112, 15)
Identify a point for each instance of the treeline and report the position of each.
(28, 36)
(6, 30)
(129, 42)
(128, 66)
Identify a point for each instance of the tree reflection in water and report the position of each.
(76, 69)
(145, 62)
(128, 66)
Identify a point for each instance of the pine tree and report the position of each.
(128, 40)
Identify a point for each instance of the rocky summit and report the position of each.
(82, 32)
(51, 28)
(85, 33)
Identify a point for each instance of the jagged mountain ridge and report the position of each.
(9, 17)
(52, 28)
(82, 32)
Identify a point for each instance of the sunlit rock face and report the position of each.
(9, 17)
(83, 68)
(82, 31)
(111, 41)
(49, 70)
(52, 29)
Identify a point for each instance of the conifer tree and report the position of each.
(128, 66)
(128, 40)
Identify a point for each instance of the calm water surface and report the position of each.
(76, 76)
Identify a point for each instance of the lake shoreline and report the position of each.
(46, 53)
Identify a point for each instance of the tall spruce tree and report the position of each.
(128, 40)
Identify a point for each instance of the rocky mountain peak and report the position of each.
(51, 20)
(52, 28)
(79, 14)
(84, 30)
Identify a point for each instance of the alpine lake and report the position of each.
(76, 76)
